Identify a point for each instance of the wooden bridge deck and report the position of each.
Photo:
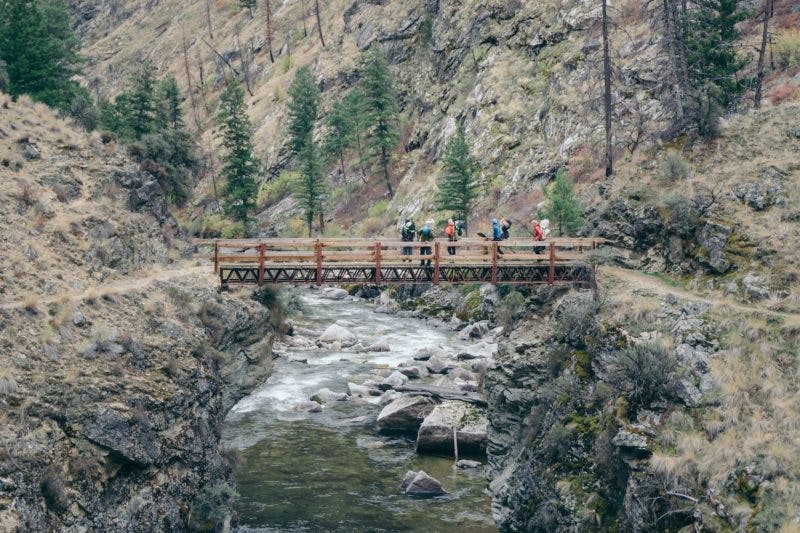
(386, 261)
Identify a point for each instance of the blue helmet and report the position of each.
(494, 221)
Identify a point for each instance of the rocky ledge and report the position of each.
(112, 409)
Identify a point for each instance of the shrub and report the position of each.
(557, 441)
(211, 505)
(26, 193)
(54, 489)
(782, 93)
(276, 189)
(270, 297)
(787, 48)
(8, 385)
(511, 305)
(644, 373)
(674, 167)
(576, 319)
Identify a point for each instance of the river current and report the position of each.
(334, 471)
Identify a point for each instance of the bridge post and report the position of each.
(436, 256)
(551, 276)
(494, 262)
(262, 250)
(216, 257)
(318, 258)
(378, 263)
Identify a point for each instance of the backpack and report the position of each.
(426, 232)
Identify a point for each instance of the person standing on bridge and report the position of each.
(407, 234)
(426, 235)
(538, 235)
(505, 225)
(450, 232)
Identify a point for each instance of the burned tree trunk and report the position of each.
(268, 7)
(768, 4)
(319, 23)
(607, 92)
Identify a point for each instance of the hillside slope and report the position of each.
(116, 367)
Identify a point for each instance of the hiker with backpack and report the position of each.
(426, 235)
(407, 234)
(505, 225)
(497, 233)
(450, 232)
(538, 235)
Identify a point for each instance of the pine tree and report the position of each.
(711, 54)
(378, 85)
(311, 189)
(340, 132)
(457, 186)
(40, 50)
(142, 102)
(169, 112)
(248, 4)
(356, 105)
(240, 166)
(562, 208)
(303, 109)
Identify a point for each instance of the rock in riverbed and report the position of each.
(436, 431)
(395, 379)
(338, 334)
(327, 395)
(421, 485)
(405, 413)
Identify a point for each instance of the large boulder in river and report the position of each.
(421, 485)
(437, 365)
(435, 435)
(338, 334)
(395, 380)
(405, 413)
(474, 331)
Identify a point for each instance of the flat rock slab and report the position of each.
(405, 413)
(435, 434)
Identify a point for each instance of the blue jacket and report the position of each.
(497, 235)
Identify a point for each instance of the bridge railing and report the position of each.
(327, 253)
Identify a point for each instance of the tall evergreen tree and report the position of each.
(457, 186)
(356, 105)
(169, 114)
(311, 189)
(142, 102)
(303, 108)
(562, 208)
(378, 85)
(40, 50)
(240, 165)
(339, 136)
(711, 53)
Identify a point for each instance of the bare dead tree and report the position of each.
(243, 61)
(677, 55)
(208, 20)
(607, 93)
(768, 8)
(202, 83)
(222, 58)
(303, 17)
(268, 9)
(189, 83)
(210, 168)
(319, 26)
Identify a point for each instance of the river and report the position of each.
(333, 470)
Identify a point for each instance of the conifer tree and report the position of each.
(340, 132)
(311, 189)
(142, 102)
(381, 103)
(303, 109)
(248, 4)
(240, 166)
(457, 185)
(711, 54)
(169, 104)
(356, 105)
(562, 208)
(40, 50)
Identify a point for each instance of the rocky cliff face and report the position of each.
(570, 442)
(117, 366)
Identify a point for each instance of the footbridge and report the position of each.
(238, 262)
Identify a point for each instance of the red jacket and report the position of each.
(537, 233)
(450, 231)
